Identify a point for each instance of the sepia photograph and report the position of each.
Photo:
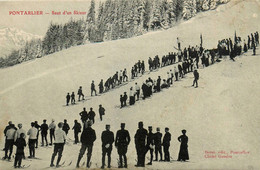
(130, 84)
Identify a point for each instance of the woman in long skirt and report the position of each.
(183, 154)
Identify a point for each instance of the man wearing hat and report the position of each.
(107, 139)
(52, 127)
(91, 115)
(150, 144)
(140, 138)
(101, 111)
(121, 142)
(44, 132)
(166, 145)
(158, 144)
(88, 136)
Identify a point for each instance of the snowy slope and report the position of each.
(222, 114)
(13, 38)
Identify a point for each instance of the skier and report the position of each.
(52, 128)
(121, 142)
(80, 93)
(101, 87)
(84, 116)
(68, 98)
(77, 130)
(101, 111)
(150, 144)
(32, 133)
(87, 139)
(10, 133)
(166, 145)
(131, 96)
(72, 98)
(37, 126)
(19, 131)
(137, 89)
(65, 127)
(20, 143)
(158, 144)
(93, 88)
(60, 140)
(107, 139)
(196, 78)
(140, 138)
(179, 43)
(44, 132)
(183, 154)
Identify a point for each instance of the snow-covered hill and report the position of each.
(13, 38)
(221, 115)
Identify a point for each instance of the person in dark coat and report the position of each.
(150, 144)
(166, 145)
(107, 139)
(101, 87)
(37, 126)
(158, 144)
(183, 154)
(66, 127)
(84, 115)
(122, 100)
(44, 132)
(80, 93)
(125, 98)
(72, 98)
(140, 138)
(158, 84)
(101, 111)
(180, 70)
(91, 115)
(88, 136)
(93, 88)
(77, 130)
(20, 143)
(121, 142)
(196, 78)
(68, 99)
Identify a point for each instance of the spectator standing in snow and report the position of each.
(121, 142)
(137, 89)
(44, 132)
(72, 98)
(183, 154)
(166, 145)
(77, 130)
(91, 115)
(93, 88)
(101, 111)
(20, 143)
(68, 99)
(60, 139)
(87, 139)
(131, 96)
(52, 128)
(32, 133)
(84, 115)
(158, 144)
(10, 133)
(107, 139)
(65, 127)
(196, 78)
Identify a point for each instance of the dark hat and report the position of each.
(122, 124)
(166, 128)
(150, 127)
(183, 131)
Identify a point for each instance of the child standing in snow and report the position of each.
(20, 144)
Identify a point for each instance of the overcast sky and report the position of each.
(38, 24)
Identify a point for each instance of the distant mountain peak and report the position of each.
(12, 38)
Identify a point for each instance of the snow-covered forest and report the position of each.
(111, 20)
